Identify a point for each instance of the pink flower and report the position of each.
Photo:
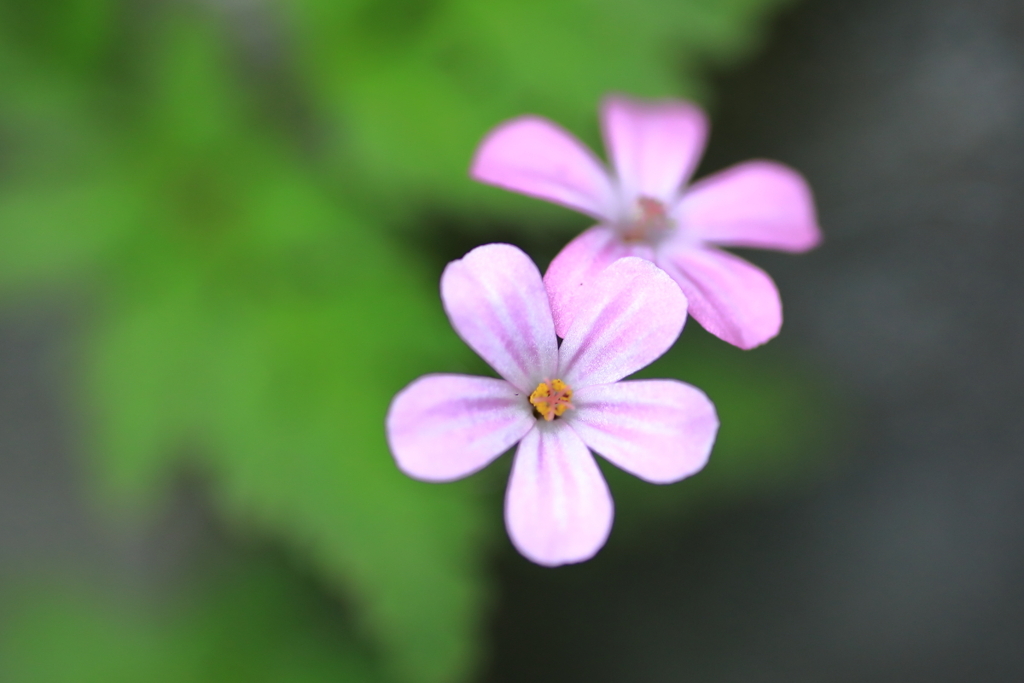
(556, 400)
(645, 210)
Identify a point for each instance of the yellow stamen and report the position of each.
(551, 399)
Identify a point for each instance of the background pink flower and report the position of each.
(644, 209)
(556, 401)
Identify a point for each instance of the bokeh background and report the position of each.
(222, 225)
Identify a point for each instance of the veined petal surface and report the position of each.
(760, 204)
(659, 430)
(496, 301)
(654, 146)
(628, 315)
(536, 157)
(585, 256)
(444, 427)
(558, 509)
(731, 298)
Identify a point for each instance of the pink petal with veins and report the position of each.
(630, 314)
(496, 301)
(654, 146)
(533, 156)
(659, 430)
(570, 271)
(754, 204)
(558, 509)
(444, 427)
(732, 299)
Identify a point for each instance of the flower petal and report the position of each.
(580, 260)
(755, 204)
(444, 427)
(497, 303)
(660, 430)
(731, 298)
(558, 509)
(654, 146)
(534, 156)
(628, 315)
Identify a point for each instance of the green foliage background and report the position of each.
(243, 197)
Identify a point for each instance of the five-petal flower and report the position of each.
(557, 400)
(644, 211)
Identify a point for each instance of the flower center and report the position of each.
(551, 398)
(649, 223)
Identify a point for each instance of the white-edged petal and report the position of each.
(660, 430)
(496, 301)
(445, 427)
(571, 270)
(558, 509)
(630, 314)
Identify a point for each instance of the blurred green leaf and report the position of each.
(255, 623)
(72, 36)
(58, 235)
(259, 329)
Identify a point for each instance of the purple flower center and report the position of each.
(551, 399)
(650, 221)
